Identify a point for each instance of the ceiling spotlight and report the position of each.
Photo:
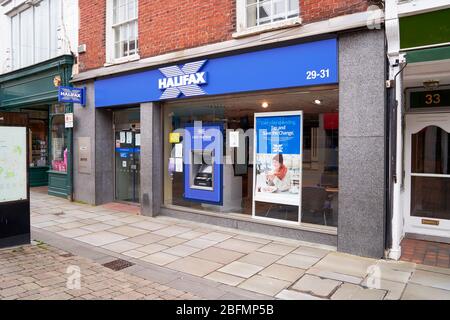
(265, 104)
(318, 102)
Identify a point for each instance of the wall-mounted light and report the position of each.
(318, 102)
(431, 84)
(265, 105)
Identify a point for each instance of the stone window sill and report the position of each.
(295, 22)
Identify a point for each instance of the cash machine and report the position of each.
(203, 169)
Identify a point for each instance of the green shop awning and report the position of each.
(431, 54)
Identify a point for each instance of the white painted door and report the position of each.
(427, 170)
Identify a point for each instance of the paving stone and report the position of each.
(394, 289)
(191, 235)
(121, 246)
(346, 264)
(172, 241)
(239, 245)
(73, 233)
(146, 238)
(171, 231)
(101, 238)
(282, 272)
(224, 278)
(277, 248)
(218, 255)
(298, 261)
(260, 258)
(433, 269)
(419, 292)
(194, 266)
(128, 231)
(216, 236)
(200, 243)
(295, 295)
(334, 275)
(431, 279)
(241, 269)
(181, 250)
(160, 258)
(71, 225)
(311, 251)
(353, 292)
(316, 286)
(152, 248)
(96, 227)
(134, 254)
(264, 285)
(252, 239)
(148, 225)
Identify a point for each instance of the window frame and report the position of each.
(241, 19)
(110, 35)
(52, 44)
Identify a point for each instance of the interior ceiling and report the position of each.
(281, 100)
(416, 73)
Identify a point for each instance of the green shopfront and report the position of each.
(34, 90)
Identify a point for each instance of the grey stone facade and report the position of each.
(361, 222)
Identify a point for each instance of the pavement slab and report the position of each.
(316, 286)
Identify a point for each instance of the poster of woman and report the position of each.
(278, 157)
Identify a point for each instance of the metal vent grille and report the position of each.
(118, 264)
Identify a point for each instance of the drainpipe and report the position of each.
(394, 213)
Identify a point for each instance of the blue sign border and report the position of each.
(82, 92)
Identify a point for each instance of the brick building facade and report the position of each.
(167, 26)
(153, 71)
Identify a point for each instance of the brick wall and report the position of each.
(316, 10)
(92, 33)
(172, 25)
(191, 24)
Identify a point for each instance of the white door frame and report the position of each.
(415, 123)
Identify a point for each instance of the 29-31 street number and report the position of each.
(313, 74)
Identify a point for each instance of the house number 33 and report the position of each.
(433, 98)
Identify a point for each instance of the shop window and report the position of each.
(258, 13)
(122, 26)
(58, 139)
(311, 178)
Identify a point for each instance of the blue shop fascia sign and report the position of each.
(306, 64)
(72, 95)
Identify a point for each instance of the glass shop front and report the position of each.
(271, 155)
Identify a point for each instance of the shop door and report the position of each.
(127, 164)
(427, 179)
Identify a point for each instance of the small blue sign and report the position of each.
(72, 95)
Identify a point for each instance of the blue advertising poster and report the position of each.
(278, 157)
(202, 158)
(305, 64)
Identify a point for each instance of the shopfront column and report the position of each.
(361, 227)
(151, 159)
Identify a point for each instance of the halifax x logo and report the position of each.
(184, 80)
